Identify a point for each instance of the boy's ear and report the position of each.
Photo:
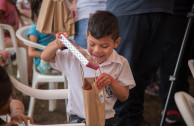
(117, 42)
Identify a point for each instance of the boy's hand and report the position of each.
(59, 43)
(104, 80)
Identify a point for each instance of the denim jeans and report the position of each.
(80, 32)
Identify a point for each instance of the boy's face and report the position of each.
(101, 49)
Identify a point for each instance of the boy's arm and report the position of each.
(120, 91)
(49, 53)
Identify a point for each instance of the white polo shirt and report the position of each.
(116, 65)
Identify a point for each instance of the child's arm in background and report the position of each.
(120, 91)
(49, 53)
(31, 50)
(17, 112)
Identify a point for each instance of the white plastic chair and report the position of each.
(191, 66)
(41, 94)
(53, 80)
(21, 57)
(185, 102)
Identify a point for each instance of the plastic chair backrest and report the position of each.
(21, 33)
(185, 104)
(10, 29)
(191, 66)
(21, 57)
(39, 93)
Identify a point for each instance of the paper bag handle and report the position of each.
(82, 72)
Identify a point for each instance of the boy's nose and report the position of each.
(96, 49)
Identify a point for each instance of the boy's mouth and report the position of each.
(97, 56)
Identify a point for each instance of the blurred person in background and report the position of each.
(83, 10)
(142, 29)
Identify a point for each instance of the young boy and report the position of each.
(116, 77)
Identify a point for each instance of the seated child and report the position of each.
(116, 77)
(40, 38)
(8, 105)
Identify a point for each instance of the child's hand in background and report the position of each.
(104, 80)
(21, 118)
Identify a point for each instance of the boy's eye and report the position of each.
(104, 46)
(91, 44)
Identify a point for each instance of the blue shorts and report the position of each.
(44, 67)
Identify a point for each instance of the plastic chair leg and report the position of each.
(23, 67)
(31, 106)
(52, 103)
(32, 99)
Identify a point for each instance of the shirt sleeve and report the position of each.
(33, 31)
(64, 61)
(125, 76)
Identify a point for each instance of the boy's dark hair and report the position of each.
(6, 87)
(35, 7)
(103, 23)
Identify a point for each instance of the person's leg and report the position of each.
(140, 45)
(80, 32)
(112, 121)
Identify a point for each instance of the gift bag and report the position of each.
(54, 17)
(94, 103)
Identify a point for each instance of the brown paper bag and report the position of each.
(55, 17)
(94, 103)
(45, 18)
